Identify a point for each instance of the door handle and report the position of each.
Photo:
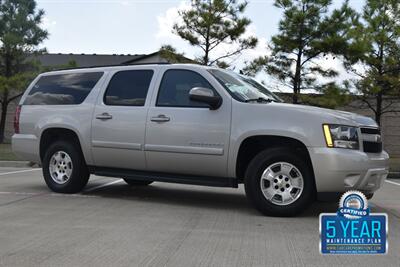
(160, 118)
(104, 116)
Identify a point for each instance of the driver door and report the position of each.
(184, 136)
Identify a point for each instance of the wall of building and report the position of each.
(390, 125)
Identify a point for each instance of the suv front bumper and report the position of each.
(340, 170)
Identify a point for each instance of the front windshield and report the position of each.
(243, 88)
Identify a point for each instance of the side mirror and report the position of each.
(205, 95)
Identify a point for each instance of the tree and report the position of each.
(173, 56)
(333, 96)
(308, 33)
(215, 24)
(20, 34)
(375, 56)
(40, 68)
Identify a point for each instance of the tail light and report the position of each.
(16, 119)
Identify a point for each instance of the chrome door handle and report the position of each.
(104, 116)
(160, 118)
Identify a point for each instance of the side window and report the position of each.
(128, 88)
(62, 89)
(175, 87)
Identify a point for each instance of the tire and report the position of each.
(369, 195)
(133, 182)
(267, 162)
(76, 174)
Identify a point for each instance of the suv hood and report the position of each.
(332, 116)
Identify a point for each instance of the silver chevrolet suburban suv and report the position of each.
(195, 125)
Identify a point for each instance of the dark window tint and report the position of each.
(128, 88)
(175, 87)
(62, 89)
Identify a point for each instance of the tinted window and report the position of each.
(128, 88)
(62, 89)
(175, 87)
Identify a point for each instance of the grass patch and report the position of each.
(6, 153)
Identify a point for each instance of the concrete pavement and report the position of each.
(113, 224)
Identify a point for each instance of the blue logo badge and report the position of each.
(353, 229)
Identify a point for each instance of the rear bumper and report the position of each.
(339, 170)
(26, 146)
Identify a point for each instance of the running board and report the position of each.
(165, 177)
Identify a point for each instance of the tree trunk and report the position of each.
(295, 98)
(378, 112)
(4, 106)
(296, 84)
(296, 80)
(206, 58)
(297, 74)
(379, 96)
(4, 103)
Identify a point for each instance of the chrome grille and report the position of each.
(372, 140)
(370, 131)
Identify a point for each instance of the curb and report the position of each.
(17, 164)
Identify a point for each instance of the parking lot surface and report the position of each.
(113, 224)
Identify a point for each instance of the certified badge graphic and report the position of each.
(353, 229)
(353, 205)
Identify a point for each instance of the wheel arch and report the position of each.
(52, 134)
(252, 145)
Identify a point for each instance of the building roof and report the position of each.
(59, 60)
(83, 60)
(159, 57)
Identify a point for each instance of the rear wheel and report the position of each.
(64, 168)
(279, 182)
(132, 182)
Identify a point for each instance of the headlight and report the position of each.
(341, 136)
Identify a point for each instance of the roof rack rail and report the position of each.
(115, 65)
(150, 63)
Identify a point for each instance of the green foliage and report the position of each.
(307, 33)
(20, 35)
(332, 96)
(212, 23)
(171, 54)
(257, 65)
(70, 65)
(376, 52)
(222, 64)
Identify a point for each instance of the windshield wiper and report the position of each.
(259, 100)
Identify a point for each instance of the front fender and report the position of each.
(237, 142)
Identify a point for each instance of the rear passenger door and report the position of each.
(118, 126)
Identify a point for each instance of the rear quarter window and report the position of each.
(62, 89)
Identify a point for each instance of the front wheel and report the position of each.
(64, 168)
(369, 195)
(279, 182)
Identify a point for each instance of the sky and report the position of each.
(141, 27)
